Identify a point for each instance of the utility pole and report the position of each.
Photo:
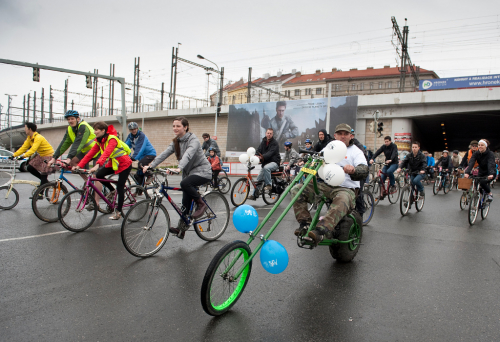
(28, 108)
(50, 105)
(34, 107)
(249, 94)
(102, 98)
(65, 96)
(24, 109)
(135, 106)
(405, 57)
(171, 80)
(175, 75)
(208, 87)
(9, 116)
(72, 104)
(162, 92)
(41, 115)
(95, 94)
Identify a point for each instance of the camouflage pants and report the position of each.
(343, 199)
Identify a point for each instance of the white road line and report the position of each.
(54, 233)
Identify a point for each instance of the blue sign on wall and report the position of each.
(461, 82)
(225, 168)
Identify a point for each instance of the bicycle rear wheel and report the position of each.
(8, 198)
(145, 228)
(224, 185)
(219, 289)
(239, 192)
(46, 199)
(404, 202)
(72, 211)
(473, 208)
(394, 195)
(214, 222)
(369, 207)
(270, 197)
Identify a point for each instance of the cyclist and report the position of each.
(308, 144)
(323, 139)
(291, 156)
(390, 151)
(430, 163)
(196, 170)
(486, 162)
(144, 152)
(112, 148)
(416, 164)
(269, 155)
(455, 159)
(445, 161)
(342, 196)
(214, 161)
(37, 146)
(472, 149)
(210, 143)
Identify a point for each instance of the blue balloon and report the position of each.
(273, 257)
(245, 218)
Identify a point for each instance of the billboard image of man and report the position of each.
(282, 125)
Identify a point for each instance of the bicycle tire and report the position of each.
(217, 204)
(394, 196)
(11, 201)
(239, 192)
(463, 201)
(376, 192)
(485, 209)
(473, 208)
(404, 201)
(369, 207)
(270, 197)
(346, 230)
(224, 185)
(70, 207)
(138, 235)
(46, 206)
(215, 301)
(437, 182)
(419, 203)
(447, 185)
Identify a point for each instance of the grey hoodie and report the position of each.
(193, 161)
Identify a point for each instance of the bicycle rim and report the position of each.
(145, 228)
(435, 188)
(239, 192)
(219, 290)
(9, 197)
(463, 201)
(419, 204)
(473, 208)
(224, 185)
(394, 196)
(369, 207)
(214, 222)
(73, 213)
(270, 197)
(45, 201)
(485, 210)
(404, 202)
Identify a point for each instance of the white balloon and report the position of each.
(334, 152)
(243, 158)
(251, 152)
(254, 160)
(321, 171)
(333, 175)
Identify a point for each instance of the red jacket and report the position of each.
(124, 161)
(215, 162)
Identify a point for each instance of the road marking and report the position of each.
(54, 233)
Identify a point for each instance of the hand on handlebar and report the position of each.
(466, 175)
(371, 161)
(490, 177)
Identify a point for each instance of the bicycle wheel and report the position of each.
(224, 185)
(369, 207)
(447, 185)
(485, 209)
(72, 211)
(214, 222)
(347, 229)
(404, 202)
(219, 289)
(239, 192)
(473, 208)
(463, 200)
(46, 199)
(376, 192)
(9, 197)
(145, 228)
(270, 197)
(436, 187)
(419, 204)
(394, 195)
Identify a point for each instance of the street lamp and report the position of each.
(219, 95)
(9, 117)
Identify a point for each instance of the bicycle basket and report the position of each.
(464, 183)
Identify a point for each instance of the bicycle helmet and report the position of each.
(446, 151)
(288, 143)
(73, 113)
(133, 125)
(308, 141)
(352, 130)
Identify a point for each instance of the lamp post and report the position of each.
(9, 117)
(219, 96)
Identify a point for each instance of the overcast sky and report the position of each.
(452, 38)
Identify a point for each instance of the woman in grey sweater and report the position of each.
(196, 169)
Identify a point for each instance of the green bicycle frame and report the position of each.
(315, 164)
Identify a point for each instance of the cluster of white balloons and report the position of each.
(249, 157)
(330, 172)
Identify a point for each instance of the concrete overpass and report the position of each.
(467, 114)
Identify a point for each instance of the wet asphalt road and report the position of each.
(425, 277)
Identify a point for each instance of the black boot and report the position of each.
(200, 208)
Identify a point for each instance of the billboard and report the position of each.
(294, 121)
(461, 82)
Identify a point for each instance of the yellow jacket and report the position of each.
(36, 143)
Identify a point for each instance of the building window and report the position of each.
(361, 86)
(371, 85)
(380, 84)
(319, 91)
(308, 91)
(353, 86)
(297, 92)
(389, 85)
(338, 87)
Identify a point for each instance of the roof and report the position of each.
(367, 73)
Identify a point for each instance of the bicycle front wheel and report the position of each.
(376, 191)
(224, 185)
(72, 211)
(220, 290)
(463, 200)
(46, 199)
(485, 209)
(369, 203)
(239, 192)
(437, 185)
(419, 204)
(214, 222)
(473, 208)
(448, 183)
(394, 194)
(404, 202)
(145, 228)
(9, 197)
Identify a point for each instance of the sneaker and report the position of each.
(303, 225)
(489, 198)
(149, 180)
(392, 189)
(116, 216)
(422, 194)
(110, 196)
(268, 187)
(251, 197)
(317, 235)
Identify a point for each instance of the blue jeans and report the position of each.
(265, 173)
(389, 169)
(417, 181)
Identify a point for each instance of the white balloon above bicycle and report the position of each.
(249, 157)
(333, 153)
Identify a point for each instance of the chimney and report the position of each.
(387, 66)
(279, 73)
(294, 71)
(334, 70)
(369, 68)
(353, 69)
(298, 74)
(318, 72)
(265, 76)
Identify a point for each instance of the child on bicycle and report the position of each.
(214, 160)
(119, 162)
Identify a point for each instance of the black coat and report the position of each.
(322, 144)
(390, 152)
(486, 163)
(413, 163)
(270, 151)
(445, 162)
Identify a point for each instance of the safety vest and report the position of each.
(90, 141)
(120, 150)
